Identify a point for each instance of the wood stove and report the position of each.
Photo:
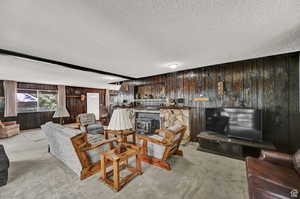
(146, 123)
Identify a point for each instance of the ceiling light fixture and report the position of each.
(173, 66)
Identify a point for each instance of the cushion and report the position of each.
(94, 155)
(296, 161)
(156, 150)
(175, 127)
(93, 139)
(94, 126)
(87, 119)
(95, 129)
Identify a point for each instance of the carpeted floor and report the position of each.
(35, 174)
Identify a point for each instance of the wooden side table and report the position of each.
(122, 134)
(119, 160)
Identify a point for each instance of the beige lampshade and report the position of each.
(120, 120)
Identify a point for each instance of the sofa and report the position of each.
(273, 175)
(9, 129)
(4, 164)
(88, 123)
(61, 146)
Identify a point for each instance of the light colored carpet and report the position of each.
(35, 174)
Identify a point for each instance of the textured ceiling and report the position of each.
(140, 38)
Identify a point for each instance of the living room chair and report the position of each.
(89, 154)
(88, 123)
(8, 129)
(157, 148)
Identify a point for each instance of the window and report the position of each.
(32, 100)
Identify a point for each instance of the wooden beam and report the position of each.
(64, 64)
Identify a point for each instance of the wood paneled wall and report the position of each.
(270, 84)
(74, 105)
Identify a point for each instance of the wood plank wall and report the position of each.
(74, 105)
(270, 84)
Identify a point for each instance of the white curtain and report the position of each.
(107, 100)
(10, 93)
(61, 109)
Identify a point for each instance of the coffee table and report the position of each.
(119, 161)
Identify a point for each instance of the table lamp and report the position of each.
(120, 120)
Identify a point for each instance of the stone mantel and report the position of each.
(169, 116)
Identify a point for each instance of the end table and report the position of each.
(119, 160)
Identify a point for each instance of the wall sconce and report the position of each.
(82, 97)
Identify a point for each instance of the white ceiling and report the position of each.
(140, 38)
(23, 70)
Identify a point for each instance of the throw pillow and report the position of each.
(296, 161)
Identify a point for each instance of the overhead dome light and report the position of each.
(173, 65)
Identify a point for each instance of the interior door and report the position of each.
(93, 104)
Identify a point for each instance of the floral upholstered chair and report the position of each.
(157, 148)
(88, 123)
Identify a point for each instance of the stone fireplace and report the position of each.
(144, 120)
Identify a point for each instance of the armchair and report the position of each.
(89, 154)
(88, 123)
(8, 129)
(157, 148)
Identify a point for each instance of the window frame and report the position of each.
(37, 96)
